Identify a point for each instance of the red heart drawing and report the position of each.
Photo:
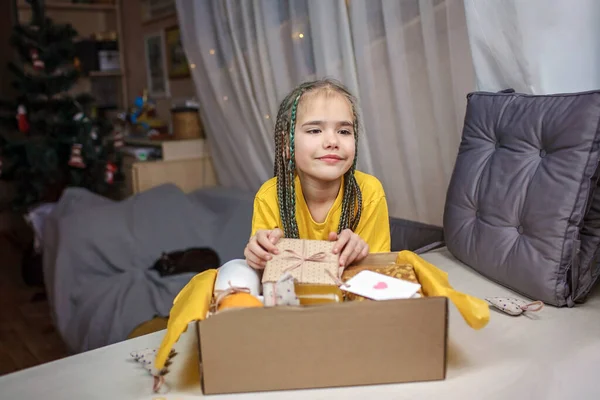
(380, 285)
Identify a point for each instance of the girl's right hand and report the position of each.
(260, 247)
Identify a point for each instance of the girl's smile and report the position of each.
(331, 158)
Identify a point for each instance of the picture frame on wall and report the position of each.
(156, 65)
(177, 62)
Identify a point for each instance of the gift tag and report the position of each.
(380, 287)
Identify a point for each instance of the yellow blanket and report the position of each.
(191, 304)
(434, 282)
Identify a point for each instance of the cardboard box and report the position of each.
(333, 345)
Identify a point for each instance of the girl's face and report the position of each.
(325, 144)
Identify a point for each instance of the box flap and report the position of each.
(353, 343)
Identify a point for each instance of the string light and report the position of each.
(192, 66)
(212, 52)
(225, 98)
(301, 35)
(267, 116)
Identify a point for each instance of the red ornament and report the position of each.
(22, 119)
(38, 64)
(76, 160)
(110, 173)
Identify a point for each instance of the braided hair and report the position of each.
(285, 167)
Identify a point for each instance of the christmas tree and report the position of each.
(50, 139)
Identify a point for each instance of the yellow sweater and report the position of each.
(373, 228)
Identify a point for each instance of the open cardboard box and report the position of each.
(341, 344)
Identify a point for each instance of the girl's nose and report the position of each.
(330, 139)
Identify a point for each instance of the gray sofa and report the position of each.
(98, 254)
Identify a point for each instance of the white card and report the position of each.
(380, 287)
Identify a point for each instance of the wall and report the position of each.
(134, 31)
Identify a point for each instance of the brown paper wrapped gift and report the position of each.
(308, 261)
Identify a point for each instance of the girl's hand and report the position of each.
(260, 247)
(350, 245)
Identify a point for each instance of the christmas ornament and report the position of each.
(76, 160)
(81, 117)
(110, 173)
(118, 140)
(22, 119)
(38, 64)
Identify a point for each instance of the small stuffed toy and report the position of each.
(513, 306)
(282, 292)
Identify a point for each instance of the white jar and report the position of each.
(238, 273)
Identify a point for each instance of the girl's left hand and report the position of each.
(352, 248)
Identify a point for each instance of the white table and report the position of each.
(553, 354)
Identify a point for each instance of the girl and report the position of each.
(316, 192)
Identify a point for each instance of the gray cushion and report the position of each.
(521, 206)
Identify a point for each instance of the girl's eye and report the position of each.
(345, 132)
(314, 131)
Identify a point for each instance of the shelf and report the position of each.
(92, 19)
(160, 19)
(55, 5)
(95, 74)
